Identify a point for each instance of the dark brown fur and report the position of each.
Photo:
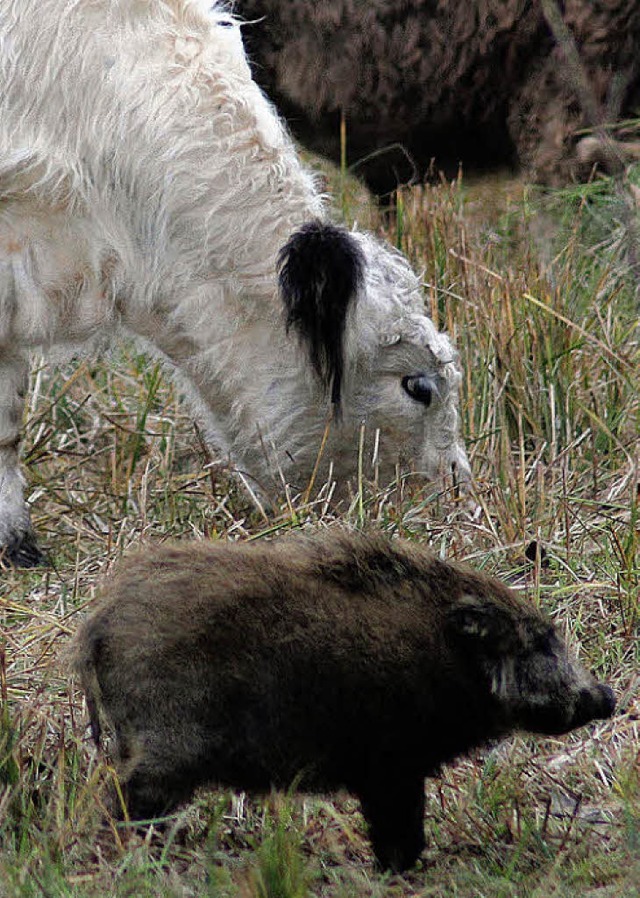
(339, 661)
(482, 83)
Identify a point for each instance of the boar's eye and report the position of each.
(420, 387)
(545, 643)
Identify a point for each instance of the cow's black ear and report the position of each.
(321, 270)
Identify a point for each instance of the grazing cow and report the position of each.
(339, 661)
(147, 186)
(483, 82)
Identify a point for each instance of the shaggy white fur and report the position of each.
(147, 185)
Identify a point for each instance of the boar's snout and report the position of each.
(588, 703)
(593, 704)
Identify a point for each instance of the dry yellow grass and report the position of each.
(551, 401)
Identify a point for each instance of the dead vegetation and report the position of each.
(547, 329)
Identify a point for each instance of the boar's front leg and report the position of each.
(17, 540)
(393, 807)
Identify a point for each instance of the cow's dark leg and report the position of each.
(17, 540)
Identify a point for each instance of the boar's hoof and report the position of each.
(397, 858)
(22, 551)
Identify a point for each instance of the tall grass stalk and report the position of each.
(280, 869)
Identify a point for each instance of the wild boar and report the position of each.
(340, 661)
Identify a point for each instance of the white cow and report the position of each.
(148, 187)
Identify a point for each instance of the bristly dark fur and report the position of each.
(343, 660)
(321, 270)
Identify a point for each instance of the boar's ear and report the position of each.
(320, 273)
(480, 624)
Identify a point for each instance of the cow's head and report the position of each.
(356, 305)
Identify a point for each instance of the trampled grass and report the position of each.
(540, 296)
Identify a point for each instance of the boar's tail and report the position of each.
(83, 660)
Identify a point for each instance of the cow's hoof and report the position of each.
(23, 552)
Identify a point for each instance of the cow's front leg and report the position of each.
(17, 540)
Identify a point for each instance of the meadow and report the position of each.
(541, 294)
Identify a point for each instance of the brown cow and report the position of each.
(482, 83)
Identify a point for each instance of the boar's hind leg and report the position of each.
(154, 787)
(394, 810)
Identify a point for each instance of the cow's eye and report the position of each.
(419, 387)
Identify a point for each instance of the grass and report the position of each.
(539, 294)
